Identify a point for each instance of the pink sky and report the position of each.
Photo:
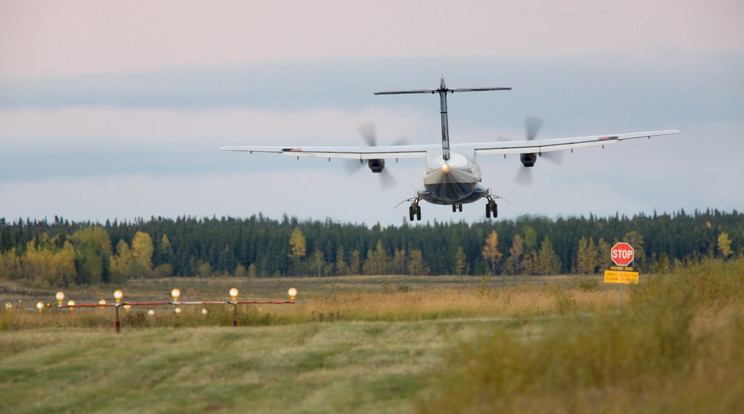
(89, 36)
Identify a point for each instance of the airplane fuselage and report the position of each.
(454, 181)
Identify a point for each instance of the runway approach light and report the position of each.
(176, 294)
(151, 312)
(60, 297)
(234, 294)
(8, 306)
(71, 303)
(118, 295)
(127, 307)
(102, 302)
(40, 307)
(178, 310)
(204, 311)
(292, 293)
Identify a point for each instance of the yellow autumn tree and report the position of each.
(491, 251)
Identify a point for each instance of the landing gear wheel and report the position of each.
(491, 207)
(459, 207)
(414, 211)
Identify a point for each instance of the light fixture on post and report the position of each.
(40, 307)
(117, 323)
(176, 294)
(234, 295)
(60, 297)
(292, 293)
(70, 303)
(102, 302)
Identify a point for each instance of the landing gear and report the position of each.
(491, 208)
(456, 208)
(414, 211)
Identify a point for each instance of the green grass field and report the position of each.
(388, 344)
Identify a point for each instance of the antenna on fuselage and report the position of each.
(443, 106)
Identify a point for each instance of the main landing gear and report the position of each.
(491, 208)
(414, 211)
(456, 208)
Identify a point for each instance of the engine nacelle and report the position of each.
(528, 160)
(376, 165)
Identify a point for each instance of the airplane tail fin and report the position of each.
(442, 91)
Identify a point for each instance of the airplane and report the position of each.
(452, 175)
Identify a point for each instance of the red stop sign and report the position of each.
(622, 254)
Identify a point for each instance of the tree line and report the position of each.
(60, 252)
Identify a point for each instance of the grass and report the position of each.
(676, 347)
(391, 344)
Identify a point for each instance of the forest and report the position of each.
(63, 253)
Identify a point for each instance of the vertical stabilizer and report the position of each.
(443, 90)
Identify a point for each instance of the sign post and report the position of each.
(622, 255)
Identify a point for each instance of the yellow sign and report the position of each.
(614, 276)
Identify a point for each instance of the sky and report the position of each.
(116, 110)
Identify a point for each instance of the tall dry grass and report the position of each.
(675, 347)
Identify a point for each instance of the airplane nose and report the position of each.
(445, 168)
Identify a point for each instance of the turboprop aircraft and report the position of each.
(452, 175)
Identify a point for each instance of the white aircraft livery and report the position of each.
(452, 175)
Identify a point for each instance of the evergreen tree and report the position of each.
(416, 265)
(355, 263)
(377, 261)
(460, 261)
(587, 256)
(548, 262)
(341, 267)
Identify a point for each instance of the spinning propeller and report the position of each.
(369, 133)
(532, 126)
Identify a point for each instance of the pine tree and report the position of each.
(587, 256)
(548, 262)
(460, 261)
(416, 265)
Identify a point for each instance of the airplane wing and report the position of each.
(557, 144)
(350, 152)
